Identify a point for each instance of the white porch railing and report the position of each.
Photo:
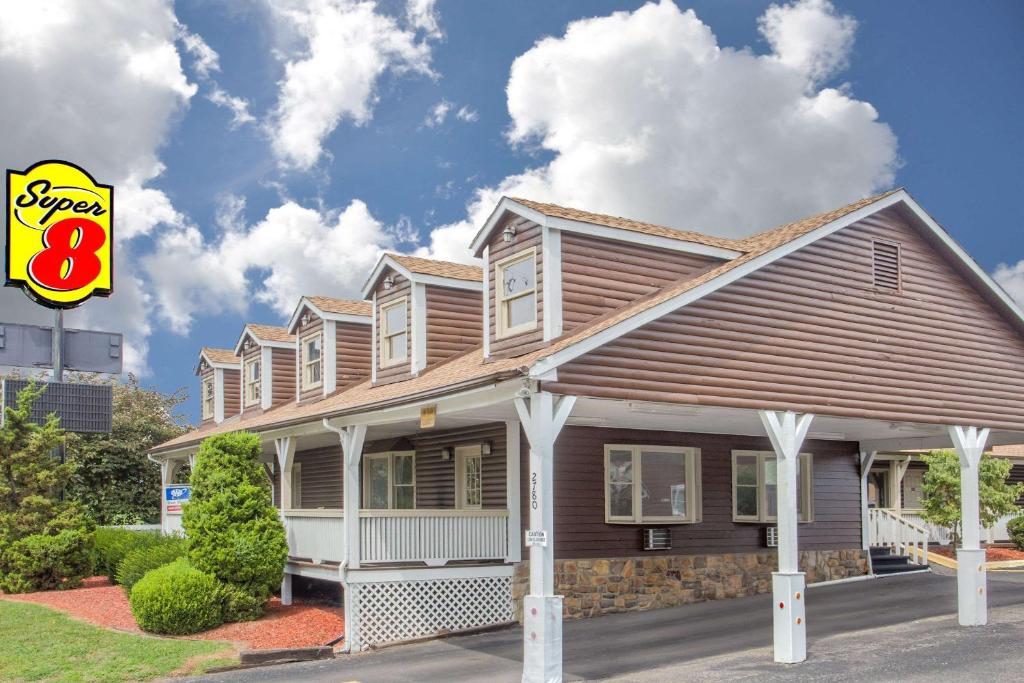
(940, 535)
(432, 536)
(890, 530)
(316, 534)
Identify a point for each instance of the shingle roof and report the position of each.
(556, 211)
(270, 333)
(220, 355)
(470, 368)
(343, 306)
(426, 266)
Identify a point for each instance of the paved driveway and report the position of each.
(635, 646)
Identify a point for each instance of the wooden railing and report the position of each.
(432, 536)
(318, 535)
(890, 530)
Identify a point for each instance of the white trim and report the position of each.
(329, 371)
(806, 487)
(267, 376)
(665, 307)
(500, 331)
(304, 302)
(245, 381)
(551, 256)
(487, 302)
(365, 479)
(402, 301)
(512, 491)
(692, 487)
(301, 384)
(314, 512)
(212, 364)
(607, 232)
(210, 380)
(374, 352)
(386, 261)
(218, 395)
(260, 342)
(429, 573)
(418, 338)
(462, 455)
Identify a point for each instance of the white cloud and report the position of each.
(438, 113)
(466, 114)
(238, 106)
(1011, 278)
(648, 116)
(345, 48)
(116, 71)
(205, 58)
(422, 15)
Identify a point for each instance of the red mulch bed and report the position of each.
(100, 603)
(992, 554)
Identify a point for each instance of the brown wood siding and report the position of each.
(580, 529)
(232, 392)
(454, 322)
(811, 333)
(314, 325)
(321, 478)
(528, 235)
(254, 352)
(353, 352)
(435, 478)
(203, 376)
(600, 275)
(402, 287)
(283, 378)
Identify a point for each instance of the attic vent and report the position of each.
(887, 265)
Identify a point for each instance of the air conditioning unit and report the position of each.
(657, 539)
(771, 536)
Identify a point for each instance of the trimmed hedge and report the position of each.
(238, 604)
(112, 545)
(43, 562)
(1015, 527)
(138, 562)
(177, 599)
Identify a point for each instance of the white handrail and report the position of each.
(890, 530)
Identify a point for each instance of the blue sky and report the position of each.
(945, 77)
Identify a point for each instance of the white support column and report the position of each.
(543, 418)
(218, 395)
(867, 458)
(285, 447)
(329, 357)
(266, 378)
(513, 484)
(972, 600)
(787, 432)
(418, 313)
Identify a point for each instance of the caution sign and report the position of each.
(60, 240)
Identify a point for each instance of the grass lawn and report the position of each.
(41, 644)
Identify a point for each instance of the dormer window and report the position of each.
(516, 294)
(312, 361)
(394, 337)
(208, 398)
(252, 382)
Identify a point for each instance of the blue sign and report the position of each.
(178, 494)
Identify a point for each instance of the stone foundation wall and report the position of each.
(605, 586)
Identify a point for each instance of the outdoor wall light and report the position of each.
(485, 448)
(446, 453)
(509, 233)
(389, 282)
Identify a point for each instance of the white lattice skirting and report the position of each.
(390, 611)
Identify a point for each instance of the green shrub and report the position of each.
(1016, 529)
(139, 561)
(112, 545)
(176, 599)
(47, 562)
(241, 605)
(233, 531)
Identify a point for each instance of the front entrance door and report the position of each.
(878, 488)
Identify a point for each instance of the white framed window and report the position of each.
(389, 481)
(755, 490)
(651, 484)
(312, 361)
(252, 382)
(516, 292)
(469, 477)
(394, 332)
(208, 398)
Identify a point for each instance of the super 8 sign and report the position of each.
(60, 239)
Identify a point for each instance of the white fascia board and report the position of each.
(385, 262)
(293, 322)
(222, 366)
(388, 262)
(241, 340)
(551, 258)
(487, 302)
(454, 283)
(260, 342)
(218, 395)
(373, 342)
(618, 234)
(324, 315)
(419, 328)
(329, 357)
(266, 377)
(665, 307)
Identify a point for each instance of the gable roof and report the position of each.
(225, 358)
(472, 369)
(429, 271)
(328, 308)
(566, 218)
(266, 335)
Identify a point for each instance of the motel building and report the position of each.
(611, 415)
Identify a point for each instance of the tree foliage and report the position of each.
(233, 530)
(941, 490)
(45, 542)
(113, 479)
